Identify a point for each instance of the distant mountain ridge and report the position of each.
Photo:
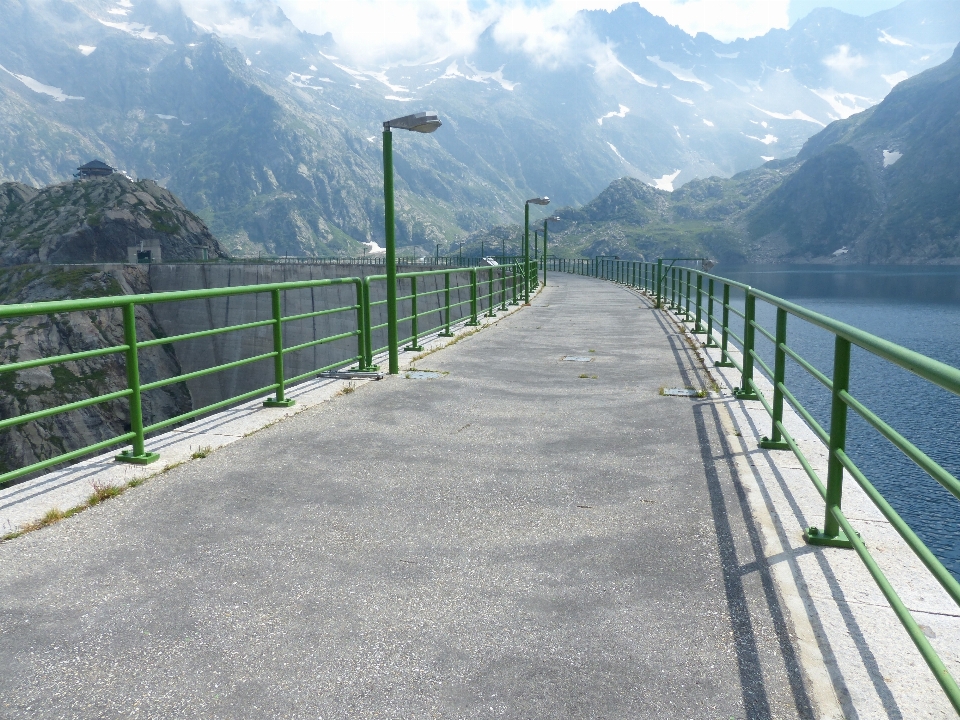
(271, 136)
(882, 186)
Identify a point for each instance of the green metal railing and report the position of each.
(487, 289)
(692, 295)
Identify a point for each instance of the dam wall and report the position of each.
(178, 318)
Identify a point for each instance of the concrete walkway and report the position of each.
(523, 536)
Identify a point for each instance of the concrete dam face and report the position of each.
(182, 317)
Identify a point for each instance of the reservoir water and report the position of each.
(916, 307)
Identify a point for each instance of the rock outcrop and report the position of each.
(98, 220)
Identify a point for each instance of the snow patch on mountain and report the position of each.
(795, 115)
(617, 153)
(708, 123)
(622, 113)
(637, 78)
(303, 81)
(397, 97)
(731, 56)
(766, 158)
(38, 87)
(766, 139)
(843, 104)
(890, 157)
(683, 100)
(885, 37)
(138, 30)
(681, 74)
(86, 49)
(665, 182)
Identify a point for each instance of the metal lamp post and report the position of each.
(422, 122)
(526, 243)
(545, 220)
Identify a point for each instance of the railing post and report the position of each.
(139, 455)
(368, 365)
(724, 360)
(659, 279)
(414, 320)
(832, 535)
(710, 341)
(745, 392)
(503, 287)
(775, 441)
(673, 289)
(278, 400)
(686, 312)
(515, 268)
(473, 298)
(697, 321)
(361, 333)
(446, 310)
(491, 308)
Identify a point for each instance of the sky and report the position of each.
(392, 30)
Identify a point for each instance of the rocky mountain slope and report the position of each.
(272, 135)
(96, 220)
(879, 186)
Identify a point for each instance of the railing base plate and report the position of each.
(145, 459)
(768, 444)
(723, 363)
(471, 323)
(813, 536)
(445, 334)
(413, 348)
(273, 402)
(741, 394)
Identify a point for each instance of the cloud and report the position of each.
(379, 31)
(843, 61)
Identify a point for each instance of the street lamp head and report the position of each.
(539, 201)
(708, 265)
(553, 218)
(422, 122)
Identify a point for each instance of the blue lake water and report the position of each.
(917, 307)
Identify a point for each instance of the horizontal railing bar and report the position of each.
(940, 672)
(202, 333)
(79, 405)
(206, 371)
(209, 408)
(763, 331)
(321, 341)
(920, 458)
(935, 371)
(64, 306)
(83, 355)
(804, 462)
(919, 548)
(805, 414)
(318, 313)
(66, 457)
(808, 367)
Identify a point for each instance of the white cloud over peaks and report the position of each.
(417, 30)
(843, 61)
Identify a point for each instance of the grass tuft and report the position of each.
(103, 492)
(202, 452)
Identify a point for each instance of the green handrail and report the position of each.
(362, 330)
(836, 531)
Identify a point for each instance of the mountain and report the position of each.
(98, 220)
(271, 135)
(881, 186)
